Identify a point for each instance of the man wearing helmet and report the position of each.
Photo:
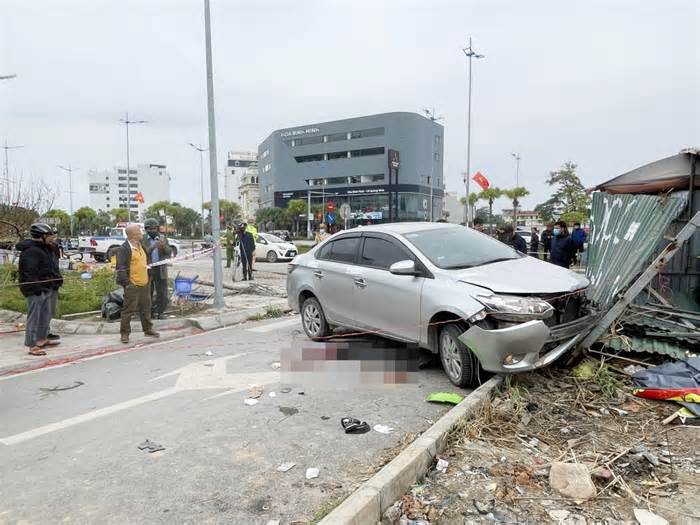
(39, 276)
(158, 250)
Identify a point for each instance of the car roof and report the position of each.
(402, 228)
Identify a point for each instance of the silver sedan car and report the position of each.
(452, 290)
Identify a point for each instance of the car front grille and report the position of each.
(291, 253)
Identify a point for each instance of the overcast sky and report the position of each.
(608, 84)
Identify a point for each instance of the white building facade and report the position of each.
(108, 188)
(242, 169)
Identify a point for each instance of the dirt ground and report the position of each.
(499, 462)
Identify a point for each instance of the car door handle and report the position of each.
(319, 274)
(359, 281)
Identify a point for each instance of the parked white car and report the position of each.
(476, 302)
(272, 249)
(103, 248)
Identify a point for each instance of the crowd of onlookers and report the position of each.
(554, 244)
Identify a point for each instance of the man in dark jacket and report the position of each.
(547, 242)
(513, 238)
(132, 274)
(247, 246)
(38, 275)
(56, 249)
(158, 249)
(563, 246)
(535, 243)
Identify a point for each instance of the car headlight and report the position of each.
(514, 308)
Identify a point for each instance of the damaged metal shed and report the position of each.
(644, 257)
(674, 177)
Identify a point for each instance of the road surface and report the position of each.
(69, 435)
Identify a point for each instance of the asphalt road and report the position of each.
(69, 434)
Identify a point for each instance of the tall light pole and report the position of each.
(431, 115)
(201, 179)
(126, 123)
(70, 171)
(516, 156)
(213, 176)
(6, 178)
(470, 53)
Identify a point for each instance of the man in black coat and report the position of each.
(546, 242)
(247, 246)
(513, 238)
(535, 243)
(563, 246)
(158, 250)
(39, 276)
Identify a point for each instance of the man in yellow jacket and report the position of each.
(250, 227)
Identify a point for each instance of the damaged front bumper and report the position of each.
(525, 346)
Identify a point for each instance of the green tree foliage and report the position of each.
(570, 196)
(278, 217)
(295, 208)
(230, 211)
(103, 221)
(63, 220)
(186, 221)
(490, 195)
(547, 210)
(84, 219)
(515, 194)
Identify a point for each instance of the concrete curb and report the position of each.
(373, 497)
(206, 324)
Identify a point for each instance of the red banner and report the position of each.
(481, 180)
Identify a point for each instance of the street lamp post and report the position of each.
(516, 156)
(7, 169)
(70, 171)
(201, 179)
(213, 175)
(470, 53)
(126, 123)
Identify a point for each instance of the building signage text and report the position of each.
(297, 132)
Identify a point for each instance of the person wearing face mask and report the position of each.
(322, 234)
(563, 246)
(158, 250)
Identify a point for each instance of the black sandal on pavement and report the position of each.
(36, 351)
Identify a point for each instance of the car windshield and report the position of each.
(116, 232)
(453, 248)
(272, 238)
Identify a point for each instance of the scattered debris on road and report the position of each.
(354, 426)
(250, 402)
(151, 446)
(255, 391)
(286, 467)
(45, 392)
(289, 411)
(312, 472)
(449, 398)
(383, 429)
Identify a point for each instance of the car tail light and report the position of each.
(93, 242)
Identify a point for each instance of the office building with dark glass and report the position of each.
(385, 167)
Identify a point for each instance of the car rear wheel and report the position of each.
(313, 319)
(460, 364)
(271, 257)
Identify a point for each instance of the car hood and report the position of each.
(526, 275)
(284, 246)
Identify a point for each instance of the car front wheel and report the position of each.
(313, 319)
(271, 257)
(460, 364)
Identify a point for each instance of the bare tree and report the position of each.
(22, 203)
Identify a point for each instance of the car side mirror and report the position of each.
(406, 267)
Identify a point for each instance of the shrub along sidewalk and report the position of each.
(75, 296)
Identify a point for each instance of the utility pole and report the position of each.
(126, 123)
(470, 53)
(431, 115)
(70, 171)
(215, 225)
(6, 178)
(201, 180)
(516, 156)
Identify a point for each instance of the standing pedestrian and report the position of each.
(132, 274)
(578, 235)
(229, 244)
(158, 249)
(535, 243)
(247, 247)
(56, 249)
(547, 242)
(38, 275)
(563, 246)
(250, 228)
(513, 238)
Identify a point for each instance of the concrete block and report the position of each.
(86, 329)
(207, 323)
(360, 508)
(112, 328)
(392, 481)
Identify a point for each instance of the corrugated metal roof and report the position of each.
(625, 230)
(648, 345)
